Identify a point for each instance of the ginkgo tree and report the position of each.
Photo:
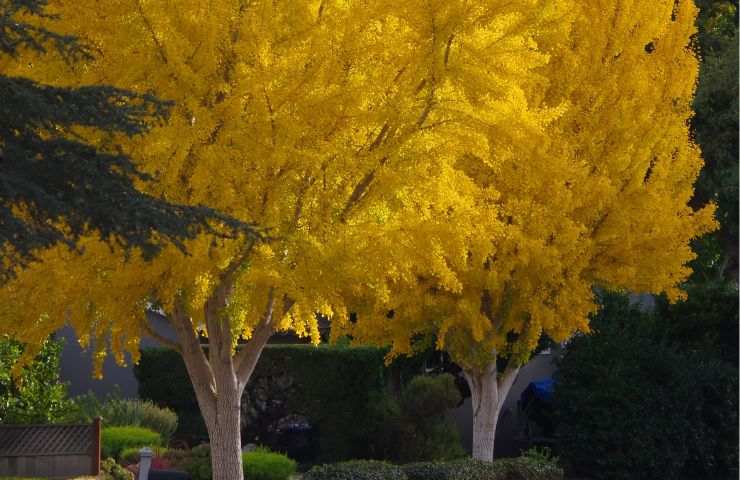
(596, 197)
(336, 126)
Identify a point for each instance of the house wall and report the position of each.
(76, 364)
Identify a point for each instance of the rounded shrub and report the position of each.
(116, 439)
(262, 464)
(356, 470)
(110, 470)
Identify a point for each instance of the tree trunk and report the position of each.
(224, 433)
(488, 393)
(220, 378)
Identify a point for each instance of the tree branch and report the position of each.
(505, 383)
(196, 362)
(246, 358)
(150, 29)
(160, 338)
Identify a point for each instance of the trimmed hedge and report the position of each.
(356, 470)
(116, 439)
(521, 468)
(333, 386)
(527, 467)
(130, 455)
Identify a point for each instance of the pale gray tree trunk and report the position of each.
(488, 391)
(219, 378)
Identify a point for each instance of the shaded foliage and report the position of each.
(716, 128)
(632, 403)
(62, 174)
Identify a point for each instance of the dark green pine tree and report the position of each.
(53, 185)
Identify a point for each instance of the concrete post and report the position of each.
(145, 463)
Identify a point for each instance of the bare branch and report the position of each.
(160, 338)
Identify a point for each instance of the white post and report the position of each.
(145, 463)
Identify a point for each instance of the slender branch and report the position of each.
(246, 358)
(220, 338)
(196, 362)
(150, 28)
(505, 383)
(160, 338)
(447, 48)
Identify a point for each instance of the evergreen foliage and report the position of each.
(716, 128)
(634, 403)
(63, 173)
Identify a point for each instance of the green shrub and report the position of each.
(141, 413)
(39, 396)
(262, 464)
(116, 439)
(130, 455)
(356, 470)
(415, 427)
(110, 470)
(430, 470)
(522, 468)
(121, 412)
(176, 457)
(630, 406)
(198, 463)
(427, 396)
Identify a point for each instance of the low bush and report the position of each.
(527, 467)
(430, 470)
(130, 455)
(262, 464)
(176, 457)
(110, 470)
(356, 470)
(121, 412)
(116, 439)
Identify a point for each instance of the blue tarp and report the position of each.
(541, 389)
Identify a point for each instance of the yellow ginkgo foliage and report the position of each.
(375, 142)
(588, 187)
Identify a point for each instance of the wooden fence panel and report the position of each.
(50, 451)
